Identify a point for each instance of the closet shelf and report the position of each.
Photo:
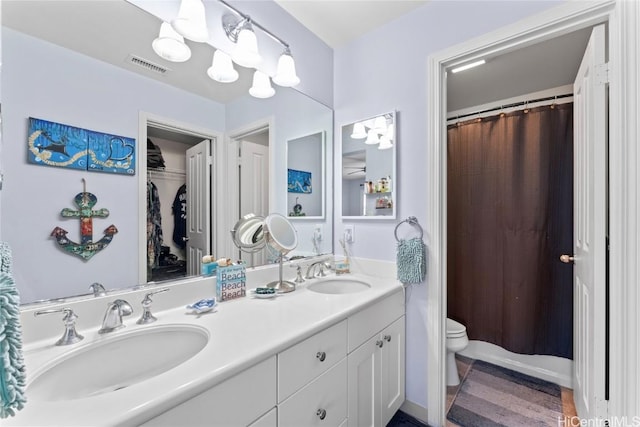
(166, 172)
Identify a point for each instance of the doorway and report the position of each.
(532, 31)
(176, 201)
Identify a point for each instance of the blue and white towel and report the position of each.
(411, 261)
(12, 369)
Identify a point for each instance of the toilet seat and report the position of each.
(455, 329)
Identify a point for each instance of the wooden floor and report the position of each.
(568, 407)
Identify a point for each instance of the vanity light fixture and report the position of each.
(380, 125)
(261, 87)
(469, 65)
(372, 137)
(240, 31)
(221, 69)
(191, 22)
(385, 143)
(170, 45)
(286, 72)
(359, 132)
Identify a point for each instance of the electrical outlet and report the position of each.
(349, 233)
(317, 232)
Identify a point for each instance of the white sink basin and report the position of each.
(117, 362)
(339, 286)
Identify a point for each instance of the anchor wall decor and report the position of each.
(87, 247)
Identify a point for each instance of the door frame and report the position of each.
(145, 120)
(232, 185)
(623, 18)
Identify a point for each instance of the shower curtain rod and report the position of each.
(510, 105)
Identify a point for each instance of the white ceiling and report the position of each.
(337, 22)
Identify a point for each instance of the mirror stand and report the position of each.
(280, 285)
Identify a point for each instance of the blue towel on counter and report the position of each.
(411, 261)
(12, 369)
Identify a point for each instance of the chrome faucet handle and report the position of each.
(147, 317)
(113, 316)
(299, 278)
(97, 289)
(70, 336)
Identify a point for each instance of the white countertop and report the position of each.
(242, 333)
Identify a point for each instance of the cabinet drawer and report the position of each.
(368, 322)
(270, 419)
(322, 403)
(237, 401)
(299, 364)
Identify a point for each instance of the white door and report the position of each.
(254, 186)
(198, 204)
(590, 210)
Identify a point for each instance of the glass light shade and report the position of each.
(389, 133)
(191, 22)
(246, 51)
(170, 45)
(359, 131)
(372, 137)
(221, 69)
(380, 125)
(385, 143)
(286, 71)
(261, 86)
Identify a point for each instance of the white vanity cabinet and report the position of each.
(376, 367)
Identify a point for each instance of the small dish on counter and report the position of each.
(202, 306)
(263, 293)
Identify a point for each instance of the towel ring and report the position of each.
(412, 220)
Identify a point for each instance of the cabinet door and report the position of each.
(392, 369)
(364, 384)
(270, 419)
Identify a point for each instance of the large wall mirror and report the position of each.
(74, 63)
(305, 176)
(369, 168)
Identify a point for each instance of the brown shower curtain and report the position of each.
(510, 217)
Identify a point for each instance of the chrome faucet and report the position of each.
(321, 266)
(113, 316)
(147, 317)
(70, 335)
(97, 289)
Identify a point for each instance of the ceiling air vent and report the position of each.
(136, 60)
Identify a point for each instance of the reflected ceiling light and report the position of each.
(170, 45)
(372, 137)
(221, 69)
(261, 86)
(359, 132)
(380, 125)
(191, 21)
(385, 143)
(467, 66)
(286, 71)
(240, 31)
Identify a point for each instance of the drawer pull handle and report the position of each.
(380, 343)
(321, 355)
(387, 338)
(322, 414)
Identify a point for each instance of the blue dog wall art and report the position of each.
(60, 145)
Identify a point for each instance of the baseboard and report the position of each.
(416, 411)
(550, 368)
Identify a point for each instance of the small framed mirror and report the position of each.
(369, 168)
(305, 177)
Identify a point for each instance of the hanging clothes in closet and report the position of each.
(154, 225)
(180, 217)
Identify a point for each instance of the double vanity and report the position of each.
(331, 353)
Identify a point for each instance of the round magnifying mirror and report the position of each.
(248, 234)
(280, 234)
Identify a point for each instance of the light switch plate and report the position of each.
(349, 233)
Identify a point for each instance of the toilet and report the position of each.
(457, 340)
